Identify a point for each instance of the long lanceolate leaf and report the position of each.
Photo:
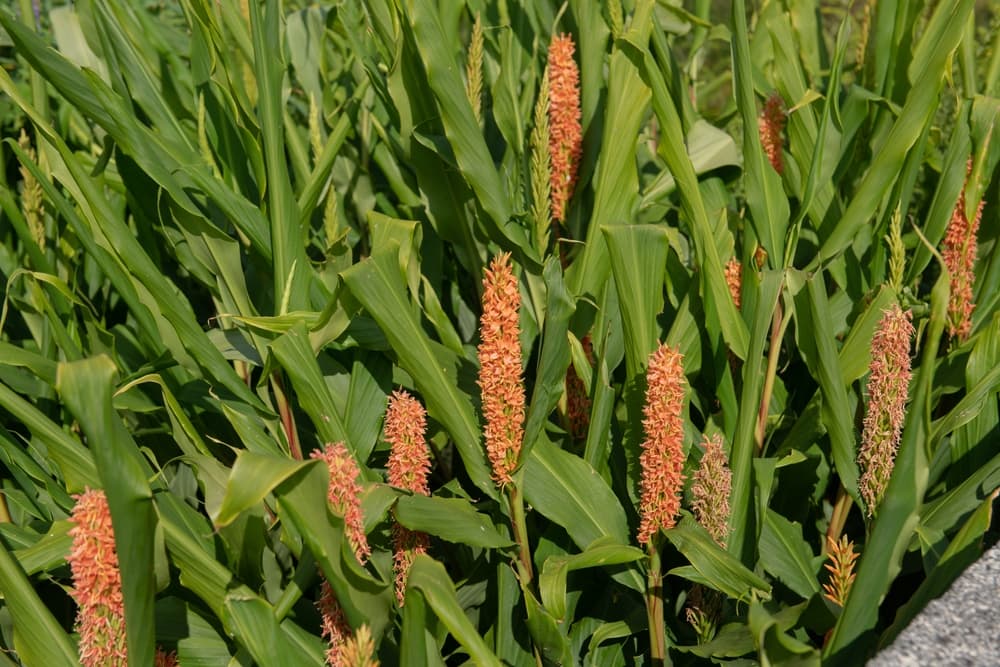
(765, 198)
(616, 181)
(85, 387)
(378, 285)
(949, 23)
(38, 638)
(291, 268)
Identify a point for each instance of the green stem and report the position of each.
(778, 326)
(287, 418)
(519, 527)
(654, 606)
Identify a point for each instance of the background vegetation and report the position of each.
(230, 230)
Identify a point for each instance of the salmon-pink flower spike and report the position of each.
(97, 583)
(770, 125)
(500, 368)
(712, 484)
(734, 279)
(335, 628)
(565, 132)
(409, 466)
(409, 457)
(888, 384)
(344, 495)
(662, 459)
(959, 250)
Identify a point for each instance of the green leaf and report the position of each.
(765, 196)
(719, 568)
(302, 502)
(85, 387)
(616, 183)
(554, 357)
(638, 255)
(429, 579)
(253, 621)
(38, 638)
(548, 634)
(377, 283)
(253, 477)
(552, 581)
(569, 492)
(786, 555)
(296, 356)
(451, 519)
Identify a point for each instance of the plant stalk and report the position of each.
(778, 326)
(287, 418)
(518, 525)
(654, 606)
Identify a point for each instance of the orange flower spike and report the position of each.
(888, 385)
(959, 249)
(500, 368)
(711, 488)
(565, 131)
(734, 280)
(409, 466)
(333, 624)
(97, 583)
(409, 458)
(662, 458)
(770, 124)
(841, 568)
(344, 495)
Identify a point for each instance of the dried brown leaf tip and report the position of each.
(841, 568)
(500, 368)
(408, 468)
(662, 458)
(888, 384)
(771, 124)
(565, 132)
(959, 249)
(97, 583)
(710, 490)
(734, 279)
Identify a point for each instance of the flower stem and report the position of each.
(654, 605)
(519, 527)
